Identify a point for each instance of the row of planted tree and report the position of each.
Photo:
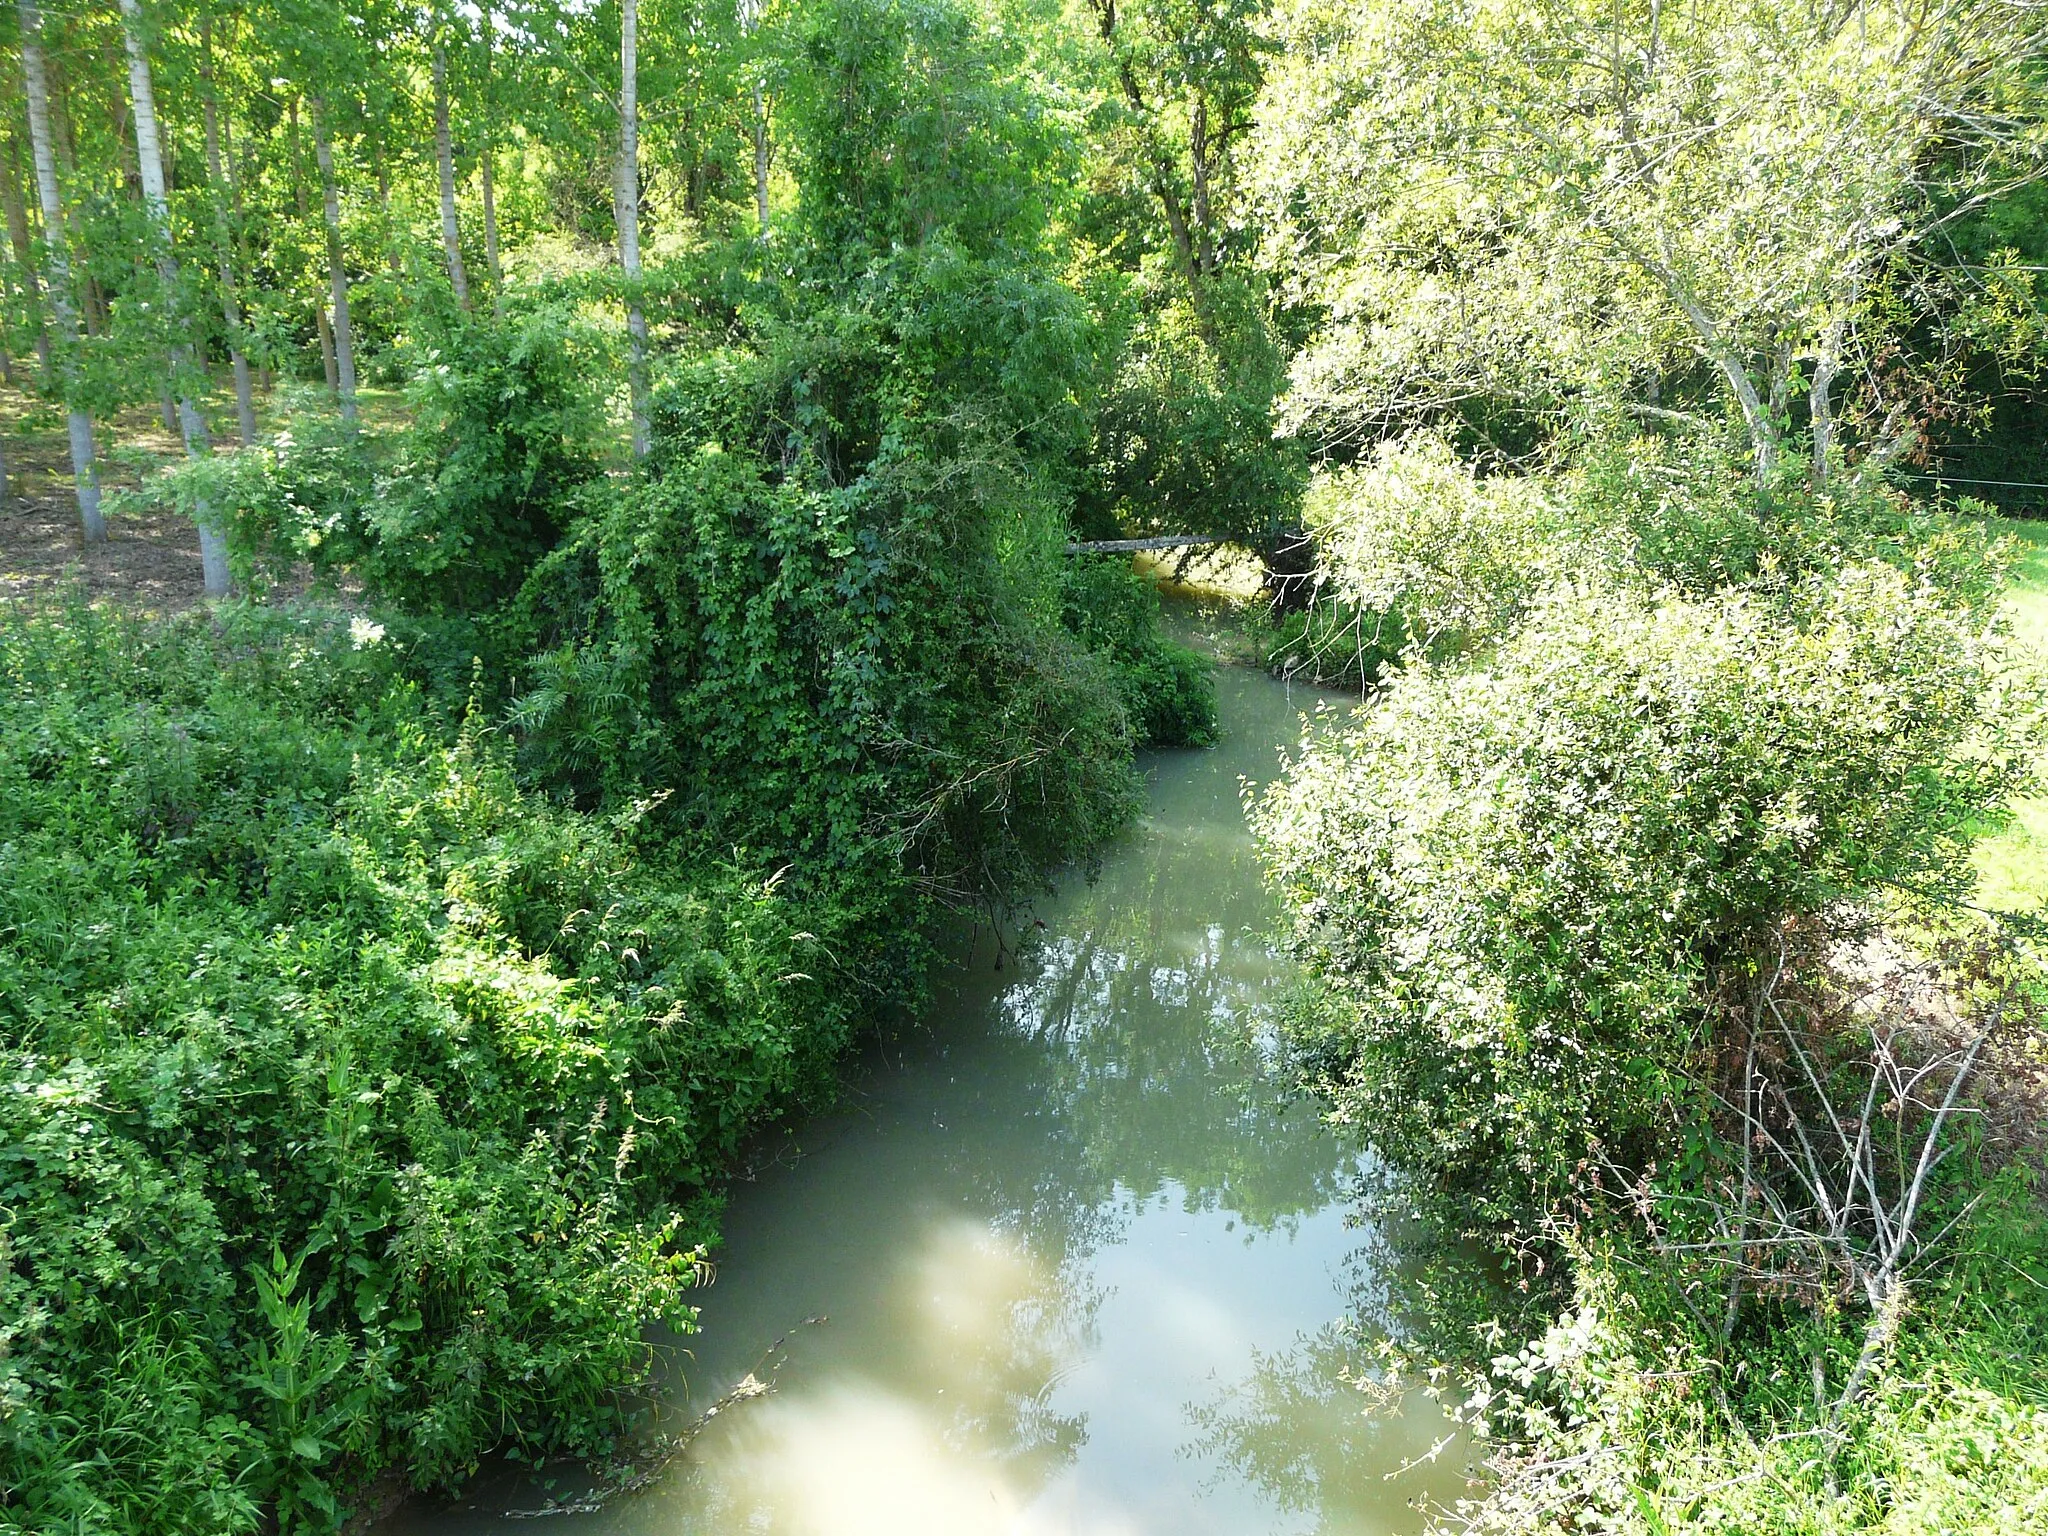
(259, 192)
(152, 259)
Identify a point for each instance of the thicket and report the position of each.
(363, 1107)
(1591, 891)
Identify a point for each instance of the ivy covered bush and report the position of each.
(363, 1108)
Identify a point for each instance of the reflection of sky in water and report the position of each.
(1078, 1256)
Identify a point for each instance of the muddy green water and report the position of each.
(1065, 1260)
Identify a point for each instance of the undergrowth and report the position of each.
(362, 1107)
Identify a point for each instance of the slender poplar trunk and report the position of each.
(25, 257)
(320, 326)
(390, 225)
(84, 469)
(230, 300)
(760, 158)
(484, 158)
(626, 196)
(213, 549)
(344, 340)
(328, 370)
(491, 238)
(749, 15)
(444, 158)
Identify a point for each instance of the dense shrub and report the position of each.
(361, 1108)
(1413, 537)
(449, 513)
(1168, 689)
(1677, 511)
(837, 623)
(1627, 1415)
(1520, 879)
(1416, 547)
(1183, 435)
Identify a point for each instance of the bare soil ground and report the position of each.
(150, 560)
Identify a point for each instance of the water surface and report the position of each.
(1067, 1260)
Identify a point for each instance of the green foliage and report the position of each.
(1678, 510)
(450, 513)
(1626, 1415)
(1184, 432)
(869, 680)
(1519, 880)
(362, 1107)
(914, 120)
(1169, 690)
(1452, 559)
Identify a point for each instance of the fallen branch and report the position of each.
(1129, 546)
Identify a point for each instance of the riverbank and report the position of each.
(1069, 1256)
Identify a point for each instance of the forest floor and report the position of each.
(151, 557)
(150, 561)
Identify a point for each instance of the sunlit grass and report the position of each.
(2012, 864)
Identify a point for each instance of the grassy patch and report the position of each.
(2012, 863)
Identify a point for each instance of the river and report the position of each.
(1066, 1260)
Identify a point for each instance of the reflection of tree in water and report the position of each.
(1025, 1323)
(1133, 1055)
(1151, 1002)
(1308, 1427)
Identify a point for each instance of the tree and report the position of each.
(337, 271)
(486, 151)
(757, 100)
(1187, 77)
(1563, 201)
(84, 469)
(626, 203)
(444, 160)
(218, 195)
(213, 552)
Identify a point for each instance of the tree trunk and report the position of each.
(213, 549)
(626, 197)
(230, 300)
(327, 368)
(491, 236)
(444, 158)
(84, 469)
(390, 226)
(760, 158)
(320, 326)
(749, 17)
(485, 155)
(25, 256)
(344, 339)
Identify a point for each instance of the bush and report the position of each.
(1519, 881)
(1413, 538)
(1168, 690)
(449, 514)
(1183, 434)
(1626, 1415)
(361, 1108)
(829, 624)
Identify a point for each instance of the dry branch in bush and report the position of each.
(1839, 1125)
